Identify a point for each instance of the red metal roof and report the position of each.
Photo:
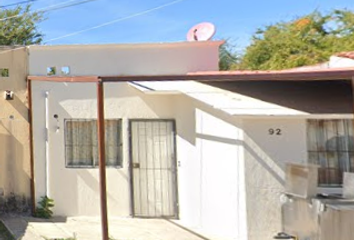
(288, 74)
(305, 74)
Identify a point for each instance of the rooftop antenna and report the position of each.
(201, 32)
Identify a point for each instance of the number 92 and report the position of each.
(273, 131)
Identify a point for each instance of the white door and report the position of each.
(153, 166)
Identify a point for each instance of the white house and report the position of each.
(156, 131)
(209, 154)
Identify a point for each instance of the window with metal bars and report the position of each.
(81, 144)
(330, 145)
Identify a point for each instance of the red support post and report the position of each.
(102, 159)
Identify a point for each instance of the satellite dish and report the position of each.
(201, 32)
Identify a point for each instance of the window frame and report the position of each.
(331, 187)
(93, 166)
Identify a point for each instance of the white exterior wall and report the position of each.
(126, 59)
(75, 191)
(230, 172)
(265, 156)
(219, 143)
(211, 172)
(340, 62)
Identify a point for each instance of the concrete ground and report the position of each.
(89, 228)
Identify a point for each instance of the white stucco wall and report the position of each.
(230, 169)
(126, 59)
(340, 62)
(230, 172)
(219, 143)
(210, 180)
(75, 191)
(265, 156)
(211, 172)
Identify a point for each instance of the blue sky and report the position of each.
(234, 19)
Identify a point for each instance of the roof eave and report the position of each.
(319, 75)
(343, 74)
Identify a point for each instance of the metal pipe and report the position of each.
(30, 122)
(47, 153)
(102, 158)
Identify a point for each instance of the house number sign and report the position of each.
(274, 131)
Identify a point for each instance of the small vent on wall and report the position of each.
(65, 70)
(51, 71)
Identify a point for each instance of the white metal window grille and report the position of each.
(330, 145)
(81, 143)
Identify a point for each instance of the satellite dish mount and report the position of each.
(201, 32)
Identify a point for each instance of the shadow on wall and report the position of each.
(325, 97)
(263, 175)
(15, 182)
(261, 158)
(133, 104)
(93, 183)
(253, 153)
(73, 176)
(215, 164)
(185, 115)
(128, 99)
(19, 106)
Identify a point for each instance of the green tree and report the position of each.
(19, 26)
(228, 58)
(307, 40)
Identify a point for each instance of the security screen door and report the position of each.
(153, 164)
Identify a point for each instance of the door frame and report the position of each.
(132, 202)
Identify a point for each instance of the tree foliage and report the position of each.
(307, 40)
(228, 59)
(19, 26)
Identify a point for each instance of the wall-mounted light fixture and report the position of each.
(57, 118)
(8, 95)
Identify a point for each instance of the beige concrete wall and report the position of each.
(265, 157)
(14, 131)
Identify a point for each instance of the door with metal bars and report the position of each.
(153, 168)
